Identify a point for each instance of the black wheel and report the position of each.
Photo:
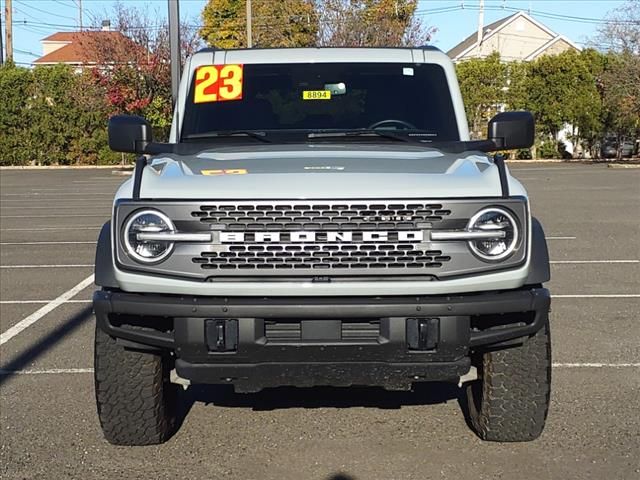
(510, 400)
(136, 402)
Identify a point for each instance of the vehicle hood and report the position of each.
(320, 171)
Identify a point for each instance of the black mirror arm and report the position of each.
(147, 148)
(502, 172)
(141, 163)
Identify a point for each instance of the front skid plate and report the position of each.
(248, 378)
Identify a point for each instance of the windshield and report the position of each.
(412, 99)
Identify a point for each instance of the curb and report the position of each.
(61, 167)
(620, 165)
(542, 160)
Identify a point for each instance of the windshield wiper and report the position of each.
(360, 133)
(262, 136)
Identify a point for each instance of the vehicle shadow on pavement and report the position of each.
(40, 347)
(319, 397)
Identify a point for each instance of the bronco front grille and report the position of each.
(317, 257)
(321, 216)
(319, 239)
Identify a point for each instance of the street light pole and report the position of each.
(249, 22)
(79, 15)
(174, 47)
(1, 47)
(8, 29)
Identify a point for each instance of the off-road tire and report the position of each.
(510, 400)
(136, 402)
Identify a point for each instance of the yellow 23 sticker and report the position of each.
(218, 83)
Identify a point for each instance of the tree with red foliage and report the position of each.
(131, 65)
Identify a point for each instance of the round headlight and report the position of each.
(494, 221)
(143, 250)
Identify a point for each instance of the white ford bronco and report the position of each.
(321, 217)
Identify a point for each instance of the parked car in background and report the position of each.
(610, 146)
(627, 148)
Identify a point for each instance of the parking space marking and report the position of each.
(34, 189)
(45, 243)
(630, 295)
(38, 314)
(596, 365)
(58, 216)
(36, 229)
(39, 201)
(73, 265)
(65, 207)
(45, 196)
(560, 238)
(49, 371)
(579, 262)
(59, 371)
(28, 302)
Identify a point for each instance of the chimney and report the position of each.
(106, 25)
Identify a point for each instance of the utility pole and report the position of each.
(174, 47)
(8, 29)
(1, 47)
(80, 14)
(480, 27)
(249, 22)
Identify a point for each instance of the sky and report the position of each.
(453, 20)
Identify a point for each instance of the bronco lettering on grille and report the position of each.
(324, 237)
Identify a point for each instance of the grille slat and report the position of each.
(358, 254)
(329, 256)
(284, 332)
(392, 216)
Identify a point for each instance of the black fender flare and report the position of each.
(539, 270)
(104, 272)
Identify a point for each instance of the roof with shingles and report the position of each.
(472, 39)
(74, 52)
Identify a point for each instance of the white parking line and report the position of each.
(65, 207)
(630, 295)
(560, 238)
(38, 314)
(596, 365)
(73, 265)
(39, 201)
(47, 195)
(579, 262)
(36, 229)
(35, 190)
(59, 371)
(53, 371)
(29, 217)
(30, 302)
(44, 243)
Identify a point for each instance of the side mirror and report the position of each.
(129, 134)
(511, 130)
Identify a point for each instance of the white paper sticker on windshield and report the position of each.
(407, 71)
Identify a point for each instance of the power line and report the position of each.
(26, 52)
(43, 11)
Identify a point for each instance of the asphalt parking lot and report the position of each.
(49, 221)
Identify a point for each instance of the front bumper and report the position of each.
(321, 341)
